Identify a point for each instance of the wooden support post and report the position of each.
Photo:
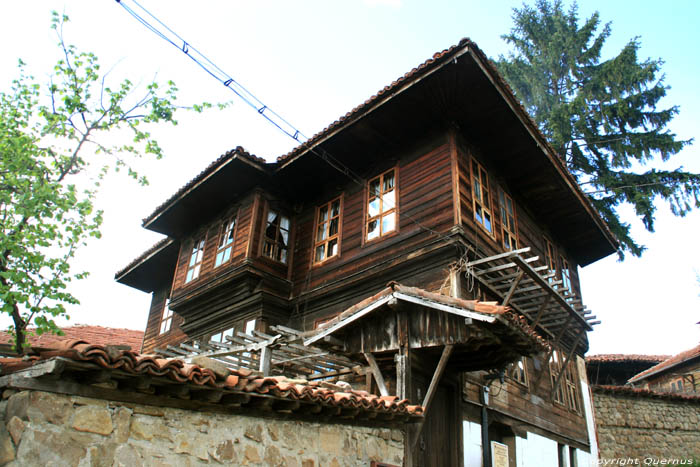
(403, 357)
(566, 362)
(540, 312)
(513, 287)
(377, 374)
(265, 360)
(446, 352)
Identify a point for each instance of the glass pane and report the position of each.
(285, 223)
(475, 168)
(511, 223)
(509, 203)
(389, 201)
(283, 255)
(219, 258)
(271, 216)
(477, 190)
(285, 237)
(478, 215)
(227, 254)
(335, 208)
(487, 205)
(372, 229)
(323, 214)
(193, 258)
(333, 247)
(506, 240)
(504, 218)
(195, 271)
(267, 249)
(321, 232)
(487, 221)
(373, 207)
(271, 231)
(320, 253)
(334, 228)
(484, 179)
(374, 187)
(388, 222)
(217, 337)
(388, 181)
(189, 276)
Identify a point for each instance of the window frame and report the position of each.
(565, 275)
(503, 199)
(275, 242)
(555, 368)
(166, 319)
(481, 171)
(329, 238)
(382, 213)
(515, 368)
(226, 228)
(197, 255)
(550, 259)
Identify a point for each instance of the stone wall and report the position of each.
(642, 427)
(40, 428)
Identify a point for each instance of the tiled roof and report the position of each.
(621, 357)
(238, 151)
(165, 241)
(239, 381)
(99, 335)
(667, 364)
(639, 392)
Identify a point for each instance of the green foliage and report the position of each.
(52, 139)
(600, 115)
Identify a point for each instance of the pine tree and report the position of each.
(600, 115)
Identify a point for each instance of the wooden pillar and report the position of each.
(403, 358)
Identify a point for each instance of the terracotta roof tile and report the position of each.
(667, 364)
(639, 392)
(99, 335)
(241, 381)
(618, 357)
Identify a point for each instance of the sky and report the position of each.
(313, 61)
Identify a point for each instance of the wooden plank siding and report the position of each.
(533, 405)
(152, 337)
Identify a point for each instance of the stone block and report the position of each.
(254, 432)
(147, 428)
(273, 456)
(224, 452)
(102, 455)
(251, 454)
(330, 439)
(49, 448)
(185, 443)
(7, 449)
(122, 422)
(16, 427)
(93, 419)
(17, 406)
(126, 456)
(54, 408)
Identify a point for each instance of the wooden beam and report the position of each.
(540, 312)
(514, 286)
(377, 374)
(265, 360)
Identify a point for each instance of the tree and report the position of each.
(601, 116)
(54, 150)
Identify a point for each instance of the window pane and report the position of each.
(189, 276)
(487, 221)
(227, 254)
(388, 181)
(335, 208)
(374, 187)
(484, 180)
(283, 255)
(219, 258)
(478, 215)
(388, 222)
(271, 217)
(372, 229)
(389, 201)
(285, 223)
(477, 190)
(195, 273)
(323, 214)
(285, 237)
(320, 253)
(334, 228)
(321, 232)
(373, 207)
(333, 247)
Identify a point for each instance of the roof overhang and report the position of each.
(461, 87)
(153, 269)
(217, 187)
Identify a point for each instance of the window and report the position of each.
(195, 259)
(327, 231)
(508, 228)
(565, 275)
(571, 390)
(555, 365)
(482, 201)
(550, 259)
(166, 319)
(381, 205)
(223, 251)
(250, 326)
(220, 337)
(517, 372)
(276, 241)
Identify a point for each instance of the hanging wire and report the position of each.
(170, 36)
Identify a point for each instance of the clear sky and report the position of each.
(312, 62)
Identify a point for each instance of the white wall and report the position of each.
(536, 451)
(472, 444)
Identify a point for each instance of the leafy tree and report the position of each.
(601, 116)
(54, 150)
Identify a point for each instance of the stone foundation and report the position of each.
(41, 428)
(640, 427)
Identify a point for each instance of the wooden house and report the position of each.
(431, 235)
(678, 374)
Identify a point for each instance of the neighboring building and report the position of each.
(616, 369)
(431, 236)
(129, 339)
(679, 373)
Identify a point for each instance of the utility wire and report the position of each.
(166, 33)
